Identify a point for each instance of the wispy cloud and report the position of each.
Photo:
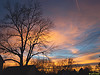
(78, 31)
(88, 58)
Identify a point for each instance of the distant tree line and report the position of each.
(32, 70)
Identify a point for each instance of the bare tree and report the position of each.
(24, 32)
(70, 63)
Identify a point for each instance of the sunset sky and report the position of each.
(77, 28)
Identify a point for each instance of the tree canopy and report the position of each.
(24, 31)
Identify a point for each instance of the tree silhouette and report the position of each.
(70, 63)
(25, 31)
(1, 63)
(97, 67)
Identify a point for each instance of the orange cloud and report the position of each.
(81, 59)
(86, 58)
(74, 50)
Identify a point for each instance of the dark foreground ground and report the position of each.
(32, 70)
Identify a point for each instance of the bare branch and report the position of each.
(12, 60)
(9, 50)
(25, 24)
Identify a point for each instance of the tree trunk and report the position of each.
(21, 60)
(27, 61)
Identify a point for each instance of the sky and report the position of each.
(77, 28)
